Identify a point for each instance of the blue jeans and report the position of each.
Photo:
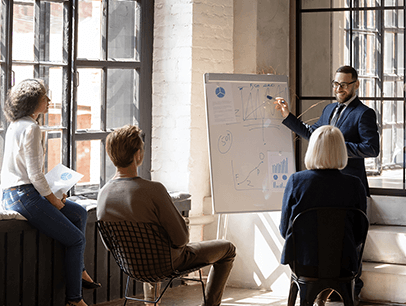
(66, 226)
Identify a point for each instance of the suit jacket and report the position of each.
(358, 125)
(319, 188)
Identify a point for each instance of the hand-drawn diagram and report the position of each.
(251, 153)
(279, 171)
(251, 175)
(256, 100)
(255, 106)
(225, 142)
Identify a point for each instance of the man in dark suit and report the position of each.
(355, 120)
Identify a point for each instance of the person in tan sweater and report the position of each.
(128, 197)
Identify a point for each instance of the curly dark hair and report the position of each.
(23, 99)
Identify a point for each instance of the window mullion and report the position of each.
(404, 100)
(74, 83)
(103, 108)
(37, 37)
(68, 22)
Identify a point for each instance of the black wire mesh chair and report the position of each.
(143, 252)
(335, 230)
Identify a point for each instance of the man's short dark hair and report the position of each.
(348, 69)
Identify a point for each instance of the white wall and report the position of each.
(172, 90)
(228, 36)
(189, 40)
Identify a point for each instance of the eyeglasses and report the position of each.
(343, 85)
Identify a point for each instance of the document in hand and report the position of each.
(61, 179)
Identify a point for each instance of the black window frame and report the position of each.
(353, 7)
(67, 131)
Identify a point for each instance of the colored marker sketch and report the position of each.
(279, 166)
(280, 171)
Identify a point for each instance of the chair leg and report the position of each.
(201, 281)
(307, 294)
(292, 293)
(156, 300)
(126, 290)
(347, 294)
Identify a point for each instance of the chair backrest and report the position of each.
(142, 250)
(331, 237)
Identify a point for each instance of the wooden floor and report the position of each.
(192, 296)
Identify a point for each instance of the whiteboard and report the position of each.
(251, 151)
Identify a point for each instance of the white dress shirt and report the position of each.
(23, 156)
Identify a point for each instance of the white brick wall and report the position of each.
(190, 39)
(171, 97)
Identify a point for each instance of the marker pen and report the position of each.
(280, 99)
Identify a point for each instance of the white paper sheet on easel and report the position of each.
(61, 179)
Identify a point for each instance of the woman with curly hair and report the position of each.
(26, 190)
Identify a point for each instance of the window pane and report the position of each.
(367, 87)
(54, 150)
(23, 32)
(54, 115)
(365, 20)
(400, 55)
(367, 3)
(122, 97)
(89, 43)
(392, 148)
(89, 99)
(366, 40)
(56, 32)
(22, 72)
(389, 56)
(88, 161)
(123, 30)
(2, 32)
(393, 2)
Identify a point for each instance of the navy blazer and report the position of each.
(318, 188)
(358, 125)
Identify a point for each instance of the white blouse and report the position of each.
(23, 156)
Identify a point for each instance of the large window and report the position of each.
(96, 58)
(368, 35)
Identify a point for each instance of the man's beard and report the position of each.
(345, 98)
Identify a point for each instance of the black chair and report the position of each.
(336, 229)
(143, 252)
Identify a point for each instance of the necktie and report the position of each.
(337, 114)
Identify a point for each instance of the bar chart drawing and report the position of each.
(279, 171)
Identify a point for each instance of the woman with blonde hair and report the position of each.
(25, 189)
(321, 185)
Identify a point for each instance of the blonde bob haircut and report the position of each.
(326, 149)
